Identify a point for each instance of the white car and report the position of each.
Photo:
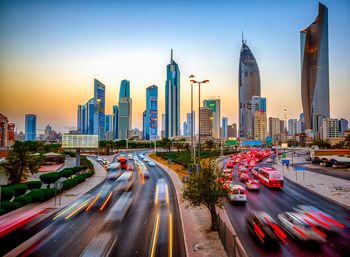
(301, 227)
(120, 208)
(150, 163)
(130, 156)
(237, 194)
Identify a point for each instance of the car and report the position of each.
(226, 170)
(252, 184)
(322, 219)
(269, 160)
(255, 172)
(161, 195)
(244, 177)
(150, 163)
(265, 229)
(229, 164)
(130, 156)
(300, 227)
(125, 181)
(146, 174)
(120, 208)
(237, 194)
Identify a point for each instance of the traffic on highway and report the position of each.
(133, 212)
(274, 217)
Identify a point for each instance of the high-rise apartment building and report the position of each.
(109, 127)
(214, 105)
(172, 99)
(224, 124)
(232, 130)
(257, 104)
(115, 122)
(99, 114)
(260, 126)
(315, 71)
(249, 86)
(293, 127)
(274, 127)
(151, 122)
(206, 124)
(330, 128)
(162, 132)
(30, 127)
(343, 125)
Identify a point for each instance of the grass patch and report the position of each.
(180, 170)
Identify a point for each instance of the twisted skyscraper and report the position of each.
(315, 70)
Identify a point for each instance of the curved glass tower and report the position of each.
(315, 70)
(249, 86)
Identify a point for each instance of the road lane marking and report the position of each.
(105, 203)
(155, 236)
(94, 201)
(80, 207)
(170, 253)
(63, 212)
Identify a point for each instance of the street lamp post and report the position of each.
(199, 115)
(98, 127)
(193, 158)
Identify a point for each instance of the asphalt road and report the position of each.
(278, 201)
(90, 232)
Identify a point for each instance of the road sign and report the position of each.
(285, 162)
(58, 185)
(284, 155)
(299, 168)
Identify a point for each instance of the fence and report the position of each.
(229, 240)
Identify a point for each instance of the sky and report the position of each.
(51, 51)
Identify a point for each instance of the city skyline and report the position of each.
(109, 66)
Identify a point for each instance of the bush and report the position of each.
(10, 206)
(2, 211)
(41, 195)
(77, 169)
(23, 199)
(7, 194)
(49, 178)
(35, 184)
(66, 173)
(69, 183)
(18, 189)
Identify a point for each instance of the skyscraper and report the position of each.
(124, 90)
(274, 127)
(249, 86)
(125, 110)
(343, 125)
(115, 122)
(30, 127)
(224, 127)
(260, 127)
(206, 124)
(99, 114)
(315, 71)
(232, 130)
(292, 127)
(144, 124)
(172, 99)
(151, 122)
(214, 105)
(162, 132)
(109, 127)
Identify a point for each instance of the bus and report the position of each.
(270, 177)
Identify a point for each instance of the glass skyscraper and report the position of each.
(172, 99)
(124, 89)
(214, 105)
(249, 86)
(30, 127)
(315, 71)
(125, 110)
(224, 127)
(99, 114)
(115, 121)
(151, 121)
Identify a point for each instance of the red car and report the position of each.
(229, 165)
(252, 184)
(244, 177)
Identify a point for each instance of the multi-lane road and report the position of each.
(275, 202)
(148, 229)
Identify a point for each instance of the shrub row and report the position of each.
(35, 184)
(41, 195)
(49, 178)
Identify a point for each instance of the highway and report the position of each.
(82, 228)
(275, 202)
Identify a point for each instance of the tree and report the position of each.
(20, 160)
(210, 144)
(166, 143)
(205, 189)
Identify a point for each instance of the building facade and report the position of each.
(172, 99)
(206, 124)
(125, 110)
(330, 128)
(124, 90)
(151, 122)
(109, 127)
(260, 126)
(99, 114)
(274, 127)
(214, 105)
(343, 125)
(115, 122)
(224, 124)
(293, 127)
(315, 71)
(249, 86)
(232, 130)
(30, 127)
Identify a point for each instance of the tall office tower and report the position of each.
(151, 123)
(260, 126)
(302, 122)
(343, 125)
(115, 122)
(80, 119)
(257, 104)
(283, 126)
(214, 105)
(315, 70)
(189, 123)
(99, 114)
(124, 90)
(232, 130)
(184, 129)
(330, 128)
(144, 124)
(172, 99)
(109, 127)
(162, 132)
(249, 86)
(274, 127)
(125, 110)
(292, 127)
(30, 127)
(206, 124)
(224, 125)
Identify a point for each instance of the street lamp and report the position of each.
(193, 154)
(199, 114)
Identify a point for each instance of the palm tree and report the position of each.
(210, 144)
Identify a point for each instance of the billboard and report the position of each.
(251, 143)
(211, 104)
(11, 131)
(70, 141)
